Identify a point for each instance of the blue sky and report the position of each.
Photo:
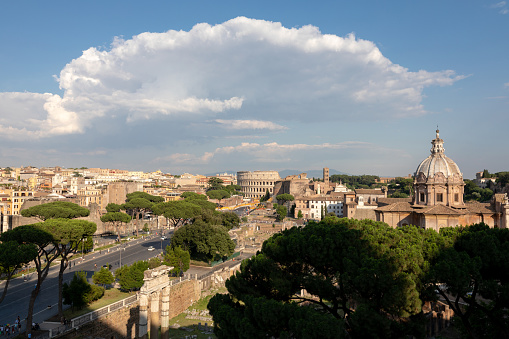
(209, 86)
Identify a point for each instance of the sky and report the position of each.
(213, 86)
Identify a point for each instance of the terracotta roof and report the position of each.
(477, 207)
(397, 207)
(361, 214)
(369, 191)
(441, 210)
(388, 201)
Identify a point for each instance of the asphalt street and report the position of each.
(18, 294)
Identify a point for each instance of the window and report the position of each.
(440, 197)
(456, 197)
(422, 196)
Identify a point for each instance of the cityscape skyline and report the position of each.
(203, 88)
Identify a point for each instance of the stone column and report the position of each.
(165, 312)
(154, 315)
(143, 317)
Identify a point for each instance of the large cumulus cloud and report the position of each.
(243, 71)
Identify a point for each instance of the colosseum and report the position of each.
(255, 184)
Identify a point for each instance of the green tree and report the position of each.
(362, 280)
(229, 220)
(281, 212)
(233, 189)
(399, 195)
(177, 258)
(215, 184)
(218, 194)
(67, 237)
(13, 256)
(474, 192)
(193, 196)
(300, 215)
(35, 234)
(111, 207)
(266, 197)
(131, 277)
(75, 292)
(355, 181)
(177, 211)
(472, 277)
(486, 174)
(56, 209)
(284, 197)
(67, 234)
(136, 207)
(204, 241)
(116, 219)
(502, 178)
(154, 262)
(103, 277)
(138, 204)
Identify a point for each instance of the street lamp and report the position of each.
(120, 249)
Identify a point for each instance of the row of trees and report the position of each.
(217, 189)
(356, 181)
(474, 192)
(79, 292)
(363, 279)
(177, 213)
(57, 236)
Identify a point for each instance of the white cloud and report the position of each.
(501, 5)
(250, 124)
(249, 71)
(269, 152)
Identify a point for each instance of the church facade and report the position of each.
(437, 199)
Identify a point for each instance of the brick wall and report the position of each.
(183, 295)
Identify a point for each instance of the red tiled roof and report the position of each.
(442, 210)
(397, 207)
(478, 207)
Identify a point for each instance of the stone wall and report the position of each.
(122, 323)
(182, 296)
(218, 278)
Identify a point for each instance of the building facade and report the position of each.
(438, 198)
(256, 184)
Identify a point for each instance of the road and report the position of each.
(18, 295)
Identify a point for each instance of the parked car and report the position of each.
(151, 248)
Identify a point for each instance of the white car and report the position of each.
(151, 248)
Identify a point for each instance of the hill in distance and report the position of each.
(285, 173)
(310, 173)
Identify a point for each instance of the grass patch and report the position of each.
(199, 263)
(190, 326)
(191, 330)
(199, 306)
(110, 296)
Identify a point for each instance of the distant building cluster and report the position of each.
(436, 200)
(93, 188)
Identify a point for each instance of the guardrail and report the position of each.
(86, 318)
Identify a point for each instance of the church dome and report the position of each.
(437, 162)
